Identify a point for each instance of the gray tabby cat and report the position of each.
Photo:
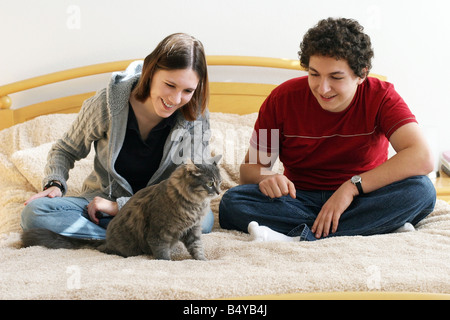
(154, 219)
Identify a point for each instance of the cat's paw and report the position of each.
(201, 257)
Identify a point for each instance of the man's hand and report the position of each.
(328, 218)
(277, 185)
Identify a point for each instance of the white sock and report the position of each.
(407, 227)
(262, 233)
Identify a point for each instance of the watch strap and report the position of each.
(359, 187)
(54, 184)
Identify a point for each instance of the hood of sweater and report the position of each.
(117, 97)
(120, 86)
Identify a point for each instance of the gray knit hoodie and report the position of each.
(102, 122)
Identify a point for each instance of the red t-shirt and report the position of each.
(319, 149)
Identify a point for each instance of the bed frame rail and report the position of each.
(228, 97)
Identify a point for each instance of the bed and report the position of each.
(414, 265)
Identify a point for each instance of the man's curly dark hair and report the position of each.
(341, 39)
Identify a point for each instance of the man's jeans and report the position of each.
(68, 216)
(378, 212)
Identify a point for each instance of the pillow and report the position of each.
(31, 163)
(230, 137)
(35, 132)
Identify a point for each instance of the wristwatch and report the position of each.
(54, 184)
(356, 180)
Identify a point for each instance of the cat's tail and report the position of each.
(52, 240)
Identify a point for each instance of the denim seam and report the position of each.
(301, 230)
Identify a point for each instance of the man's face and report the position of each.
(332, 82)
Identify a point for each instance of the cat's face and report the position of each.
(204, 179)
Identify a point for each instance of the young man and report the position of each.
(331, 131)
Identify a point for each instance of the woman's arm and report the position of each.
(75, 144)
(90, 125)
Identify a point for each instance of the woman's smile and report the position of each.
(167, 105)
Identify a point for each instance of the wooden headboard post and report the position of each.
(6, 114)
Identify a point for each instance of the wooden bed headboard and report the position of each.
(227, 97)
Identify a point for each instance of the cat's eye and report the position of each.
(209, 184)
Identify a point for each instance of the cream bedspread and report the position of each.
(414, 262)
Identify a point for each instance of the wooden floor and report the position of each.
(442, 185)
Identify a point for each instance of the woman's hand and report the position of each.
(328, 218)
(51, 192)
(98, 204)
(277, 185)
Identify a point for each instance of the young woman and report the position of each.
(138, 126)
(331, 131)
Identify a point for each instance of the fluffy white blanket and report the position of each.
(414, 262)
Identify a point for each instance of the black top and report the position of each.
(138, 160)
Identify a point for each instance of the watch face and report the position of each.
(356, 179)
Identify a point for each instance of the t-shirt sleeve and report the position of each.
(266, 133)
(394, 112)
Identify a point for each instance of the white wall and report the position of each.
(410, 39)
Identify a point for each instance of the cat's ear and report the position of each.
(214, 160)
(191, 167)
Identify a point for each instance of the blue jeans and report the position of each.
(378, 212)
(68, 216)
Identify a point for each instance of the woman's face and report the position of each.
(171, 90)
(332, 82)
